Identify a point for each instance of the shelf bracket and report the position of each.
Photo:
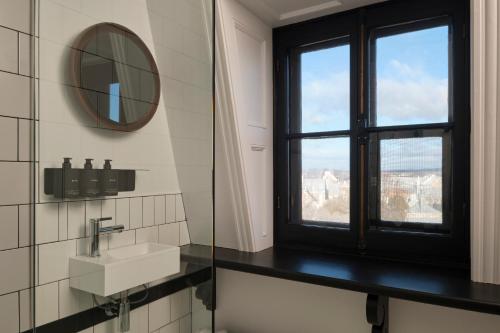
(204, 293)
(377, 313)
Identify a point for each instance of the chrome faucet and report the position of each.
(96, 230)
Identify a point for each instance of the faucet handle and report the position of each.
(100, 219)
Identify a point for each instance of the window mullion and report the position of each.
(361, 136)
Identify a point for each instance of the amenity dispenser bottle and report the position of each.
(68, 185)
(109, 180)
(90, 182)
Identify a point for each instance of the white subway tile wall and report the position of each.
(15, 270)
(148, 211)
(159, 313)
(53, 260)
(25, 309)
(63, 221)
(24, 54)
(123, 212)
(147, 235)
(160, 210)
(9, 216)
(47, 223)
(184, 237)
(9, 51)
(16, 14)
(8, 144)
(71, 300)
(24, 225)
(15, 183)
(15, 95)
(9, 313)
(76, 219)
(46, 303)
(108, 209)
(169, 234)
(170, 209)
(154, 212)
(135, 213)
(180, 304)
(55, 299)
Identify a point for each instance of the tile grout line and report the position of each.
(18, 227)
(18, 139)
(18, 53)
(19, 309)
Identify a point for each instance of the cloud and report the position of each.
(325, 104)
(405, 70)
(405, 95)
(409, 96)
(329, 153)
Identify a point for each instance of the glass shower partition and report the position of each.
(123, 145)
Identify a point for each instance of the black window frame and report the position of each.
(445, 244)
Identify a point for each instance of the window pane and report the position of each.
(325, 180)
(412, 78)
(325, 90)
(411, 180)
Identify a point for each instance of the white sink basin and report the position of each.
(123, 268)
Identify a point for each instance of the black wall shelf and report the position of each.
(52, 176)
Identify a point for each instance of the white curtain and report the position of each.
(118, 45)
(485, 177)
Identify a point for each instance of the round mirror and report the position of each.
(117, 77)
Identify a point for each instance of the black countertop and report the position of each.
(433, 285)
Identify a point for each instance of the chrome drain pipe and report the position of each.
(124, 313)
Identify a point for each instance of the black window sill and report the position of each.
(439, 286)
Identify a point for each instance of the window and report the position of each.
(372, 132)
(320, 148)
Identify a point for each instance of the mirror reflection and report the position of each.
(118, 80)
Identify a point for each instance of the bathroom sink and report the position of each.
(123, 268)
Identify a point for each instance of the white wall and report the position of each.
(183, 45)
(225, 228)
(248, 303)
(245, 158)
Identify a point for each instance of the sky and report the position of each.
(412, 88)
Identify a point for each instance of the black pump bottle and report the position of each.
(90, 182)
(109, 180)
(68, 185)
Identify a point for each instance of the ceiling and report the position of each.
(281, 12)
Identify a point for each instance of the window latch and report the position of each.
(363, 139)
(363, 122)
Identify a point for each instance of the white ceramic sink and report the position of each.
(123, 268)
